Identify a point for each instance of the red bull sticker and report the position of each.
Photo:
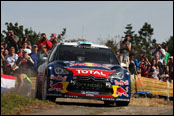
(119, 91)
(60, 86)
(59, 77)
(121, 82)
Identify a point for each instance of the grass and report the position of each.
(156, 102)
(12, 104)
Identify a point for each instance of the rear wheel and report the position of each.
(122, 103)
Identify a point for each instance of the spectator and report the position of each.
(25, 47)
(161, 68)
(53, 39)
(11, 40)
(160, 51)
(45, 42)
(10, 60)
(170, 66)
(2, 59)
(167, 55)
(154, 71)
(117, 55)
(6, 52)
(25, 39)
(144, 66)
(132, 66)
(137, 63)
(20, 52)
(42, 53)
(34, 57)
(125, 48)
(25, 64)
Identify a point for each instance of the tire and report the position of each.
(44, 92)
(38, 91)
(108, 103)
(122, 103)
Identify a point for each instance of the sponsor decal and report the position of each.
(88, 85)
(91, 72)
(59, 77)
(88, 72)
(121, 82)
(89, 64)
(90, 93)
(61, 86)
(119, 91)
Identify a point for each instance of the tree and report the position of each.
(61, 36)
(169, 43)
(20, 32)
(129, 30)
(112, 44)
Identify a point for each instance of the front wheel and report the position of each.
(44, 92)
(122, 103)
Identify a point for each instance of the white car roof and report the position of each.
(84, 43)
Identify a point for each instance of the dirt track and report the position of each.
(93, 107)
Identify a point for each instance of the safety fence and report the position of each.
(139, 83)
(155, 87)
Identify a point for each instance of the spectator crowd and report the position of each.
(20, 57)
(160, 68)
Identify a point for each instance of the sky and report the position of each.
(90, 19)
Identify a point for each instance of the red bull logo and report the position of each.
(61, 86)
(59, 77)
(119, 91)
(121, 82)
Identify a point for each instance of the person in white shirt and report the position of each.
(10, 61)
(25, 47)
(160, 51)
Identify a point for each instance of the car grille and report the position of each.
(90, 83)
(91, 78)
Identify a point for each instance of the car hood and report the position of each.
(88, 68)
(87, 65)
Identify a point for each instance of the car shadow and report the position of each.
(83, 104)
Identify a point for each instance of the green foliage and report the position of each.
(143, 42)
(20, 32)
(169, 43)
(112, 44)
(61, 36)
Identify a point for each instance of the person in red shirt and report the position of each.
(44, 42)
(145, 66)
(53, 38)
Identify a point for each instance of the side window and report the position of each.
(51, 57)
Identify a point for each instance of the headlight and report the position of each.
(117, 75)
(59, 70)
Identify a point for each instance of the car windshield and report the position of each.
(95, 55)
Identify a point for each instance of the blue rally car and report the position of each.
(83, 70)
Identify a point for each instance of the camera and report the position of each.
(159, 47)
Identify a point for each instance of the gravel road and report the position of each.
(93, 107)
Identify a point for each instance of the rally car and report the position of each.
(83, 70)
